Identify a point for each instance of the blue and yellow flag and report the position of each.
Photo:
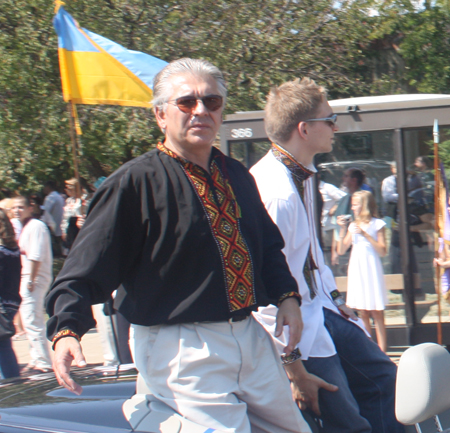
(95, 70)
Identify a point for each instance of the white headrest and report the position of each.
(423, 383)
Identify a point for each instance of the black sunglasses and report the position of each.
(331, 120)
(187, 104)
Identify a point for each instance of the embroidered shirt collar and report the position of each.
(297, 169)
(216, 155)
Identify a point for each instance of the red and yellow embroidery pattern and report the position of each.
(223, 211)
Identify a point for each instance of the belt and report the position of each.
(238, 318)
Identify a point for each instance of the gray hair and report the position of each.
(161, 88)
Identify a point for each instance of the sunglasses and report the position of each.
(332, 119)
(187, 104)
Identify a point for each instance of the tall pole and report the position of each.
(74, 146)
(437, 214)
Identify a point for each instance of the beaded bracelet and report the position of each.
(290, 295)
(292, 357)
(63, 334)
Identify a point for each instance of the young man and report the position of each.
(301, 124)
(36, 277)
(183, 229)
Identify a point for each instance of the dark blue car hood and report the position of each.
(39, 404)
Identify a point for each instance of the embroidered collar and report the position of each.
(297, 169)
(216, 156)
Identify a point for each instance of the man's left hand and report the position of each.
(306, 392)
(348, 312)
(305, 386)
(289, 315)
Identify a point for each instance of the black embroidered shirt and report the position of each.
(150, 231)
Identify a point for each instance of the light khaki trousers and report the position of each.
(222, 375)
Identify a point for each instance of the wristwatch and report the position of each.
(339, 301)
(337, 298)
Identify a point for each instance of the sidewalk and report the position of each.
(92, 349)
(90, 343)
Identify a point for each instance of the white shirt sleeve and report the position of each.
(48, 219)
(36, 241)
(389, 190)
(334, 192)
(379, 224)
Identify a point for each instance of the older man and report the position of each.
(183, 229)
(333, 349)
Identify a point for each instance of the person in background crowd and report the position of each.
(36, 277)
(87, 190)
(72, 210)
(6, 205)
(366, 290)
(9, 291)
(98, 182)
(365, 185)
(424, 167)
(104, 325)
(36, 201)
(331, 195)
(53, 214)
(389, 193)
(444, 259)
(352, 181)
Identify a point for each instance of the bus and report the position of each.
(384, 136)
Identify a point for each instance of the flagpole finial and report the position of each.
(436, 131)
(58, 4)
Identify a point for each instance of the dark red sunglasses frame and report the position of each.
(187, 104)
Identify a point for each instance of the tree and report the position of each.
(256, 43)
(425, 49)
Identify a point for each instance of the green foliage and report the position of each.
(257, 44)
(426, 50)
(443, 148)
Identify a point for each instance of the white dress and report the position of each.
(366, 289)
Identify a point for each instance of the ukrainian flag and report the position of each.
(95, 70)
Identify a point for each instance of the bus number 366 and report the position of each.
(242, 133)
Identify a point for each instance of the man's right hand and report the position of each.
(289, 314)
(68, 349)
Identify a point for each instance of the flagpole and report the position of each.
(436, 223)
(73, 138)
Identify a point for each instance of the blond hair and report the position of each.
(72, 182)
(6, 205)
(289, 104)
(368, 206)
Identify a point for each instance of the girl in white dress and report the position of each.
(366, 290)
